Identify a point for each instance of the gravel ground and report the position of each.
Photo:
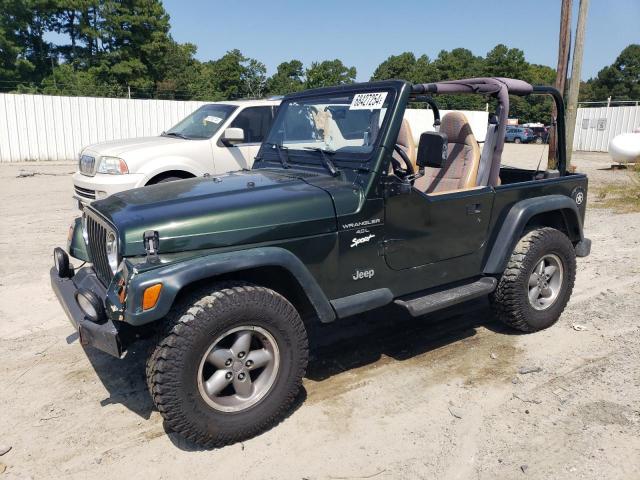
(386, 396)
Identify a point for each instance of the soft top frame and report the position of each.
(500, 88)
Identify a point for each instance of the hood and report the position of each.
(237, 208)
(116, 148)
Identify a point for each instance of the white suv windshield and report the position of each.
(341, 123)
(203, 123)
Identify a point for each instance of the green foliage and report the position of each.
(620, 80)
(329, 72)
(288, 78)
(111, 47)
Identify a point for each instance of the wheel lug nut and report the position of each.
(249, 363)
(228, 375)
(241, 355)
(241, 376)
(228, 362)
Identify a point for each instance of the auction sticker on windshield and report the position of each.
(368, 101)
(212, 119)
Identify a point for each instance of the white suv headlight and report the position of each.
(112, 251)
(113, 166)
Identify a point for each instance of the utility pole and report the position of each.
(564, 46)
(576, 72)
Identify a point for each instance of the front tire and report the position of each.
(537, 283)
(517, 140)
(229, 365)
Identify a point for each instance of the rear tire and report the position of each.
(183, 365)
(538, 140)
(537, 283)
(517, 140)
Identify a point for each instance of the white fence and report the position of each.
(595, 127)
(41, 127)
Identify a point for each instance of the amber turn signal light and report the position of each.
(151, 295)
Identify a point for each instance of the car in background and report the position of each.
(516, 134)
(216, 138)
(541, 134)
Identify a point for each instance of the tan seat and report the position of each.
(405, 141)
(460, 169)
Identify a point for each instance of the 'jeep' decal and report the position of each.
(360, 274)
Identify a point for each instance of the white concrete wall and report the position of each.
(42, 127)
(596, 127)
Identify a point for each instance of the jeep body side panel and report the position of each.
(176, 276)
(517, 203)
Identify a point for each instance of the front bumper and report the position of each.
(101, 185)
(111, 336)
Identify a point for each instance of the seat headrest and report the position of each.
(457, 128)
(404, 136)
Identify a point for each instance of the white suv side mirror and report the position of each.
(232, 136)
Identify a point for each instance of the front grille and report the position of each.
(87, 165)
(97, 234)
(85, 192)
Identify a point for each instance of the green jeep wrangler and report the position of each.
(341, 214)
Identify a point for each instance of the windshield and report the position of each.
(203, 123)
(342, 123)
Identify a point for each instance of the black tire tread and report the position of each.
(507, 299)
(179, 325)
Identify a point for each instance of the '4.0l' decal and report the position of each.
(360, 274)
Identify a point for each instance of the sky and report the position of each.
(363, 33)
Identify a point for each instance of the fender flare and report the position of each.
(516, 220)
(174, 277)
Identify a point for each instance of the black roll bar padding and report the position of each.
(432, 103)
(561, 136)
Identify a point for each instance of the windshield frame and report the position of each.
(305, 156)
(231, 109)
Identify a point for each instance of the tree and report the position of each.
(289, 78)
(396, 66)
(620, 80)
(329, 72)
(25, 56)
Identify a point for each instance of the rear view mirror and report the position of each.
(432, 149)
(232, 136)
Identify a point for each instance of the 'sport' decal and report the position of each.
(359, 241)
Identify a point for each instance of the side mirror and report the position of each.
(232, 136)
(433, 150)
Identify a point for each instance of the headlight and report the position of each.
(112, 251)
(113, 166)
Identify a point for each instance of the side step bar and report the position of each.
(421, 304)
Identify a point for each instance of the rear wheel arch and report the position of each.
(564, 220)
(555, 211)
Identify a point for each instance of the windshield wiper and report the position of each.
(281, 153)
(175, 134)
(326, 161)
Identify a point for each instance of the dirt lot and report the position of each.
(386, 396)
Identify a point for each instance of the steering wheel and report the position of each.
(398, 170)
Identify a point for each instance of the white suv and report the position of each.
(216, 138)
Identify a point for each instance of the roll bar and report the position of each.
(500, 88)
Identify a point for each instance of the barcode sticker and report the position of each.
(368, 101)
